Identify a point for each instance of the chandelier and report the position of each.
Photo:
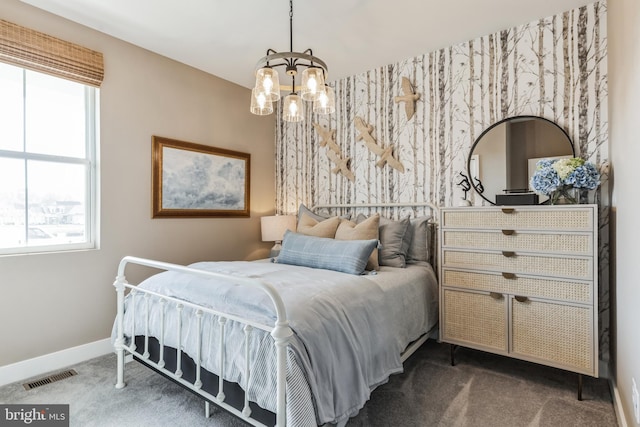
(312, 86)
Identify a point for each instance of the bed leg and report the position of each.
(119, 342)
(120, 374)
(207, 407)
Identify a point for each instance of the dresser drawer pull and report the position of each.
(508, 275)
(508, 210)
(521, 298)
(508, 232)
(508, 254)
(495, 295)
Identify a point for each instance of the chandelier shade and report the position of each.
(325, 103)
(268, 82)
(293, 108)
(261, 103)
(312, 85)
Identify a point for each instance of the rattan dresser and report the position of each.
(522, 281)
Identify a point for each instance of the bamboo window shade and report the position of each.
(37, 51)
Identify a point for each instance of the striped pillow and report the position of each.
(347, 256)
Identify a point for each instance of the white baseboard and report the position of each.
(617, 404)
(53, 361)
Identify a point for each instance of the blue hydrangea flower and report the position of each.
(545, 180)
(585, 176)
(544, 163)
(578, 174)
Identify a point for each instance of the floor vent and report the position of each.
(50, 379)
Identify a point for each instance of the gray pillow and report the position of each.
(347, 256)
(419, 247)
(394, 241)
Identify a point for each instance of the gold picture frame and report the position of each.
(195, 180)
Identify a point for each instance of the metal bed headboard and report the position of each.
(429, 205)
(433, 223)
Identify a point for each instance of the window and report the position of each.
(47, 162)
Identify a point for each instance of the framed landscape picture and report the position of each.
(194, 180)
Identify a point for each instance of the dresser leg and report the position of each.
(579, 386)
(453, 354)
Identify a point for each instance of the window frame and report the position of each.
(90, 161)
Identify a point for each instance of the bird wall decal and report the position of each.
(409, 98)
(385, 154)
(328, 139)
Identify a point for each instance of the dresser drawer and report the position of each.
(560, 335)
(475, 318)
(570, 219)
(524, 241)
(550, 288)
(569, 267)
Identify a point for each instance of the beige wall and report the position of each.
(52, 302)
(624, 112)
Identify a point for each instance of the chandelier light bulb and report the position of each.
(322, 100)
(312, 84)
(262, 99)
(267, 84)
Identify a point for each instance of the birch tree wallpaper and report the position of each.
(555, 68)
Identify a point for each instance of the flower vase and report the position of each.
(565, 195)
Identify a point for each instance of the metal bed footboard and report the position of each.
(280, 331)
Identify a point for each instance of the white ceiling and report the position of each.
(227, 37)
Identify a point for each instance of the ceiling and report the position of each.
(227, 37)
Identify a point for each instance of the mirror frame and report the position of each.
(487, 130)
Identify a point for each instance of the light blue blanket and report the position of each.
(349, 331)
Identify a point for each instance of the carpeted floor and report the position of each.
(481, 390)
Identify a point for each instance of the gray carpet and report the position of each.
(481, 390)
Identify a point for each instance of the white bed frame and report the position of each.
(280, 331)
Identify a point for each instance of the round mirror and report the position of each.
(503, 158)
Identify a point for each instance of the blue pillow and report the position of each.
(347, 256)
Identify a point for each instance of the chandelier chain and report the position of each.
(290, 25)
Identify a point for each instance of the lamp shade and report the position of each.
(274, 227)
